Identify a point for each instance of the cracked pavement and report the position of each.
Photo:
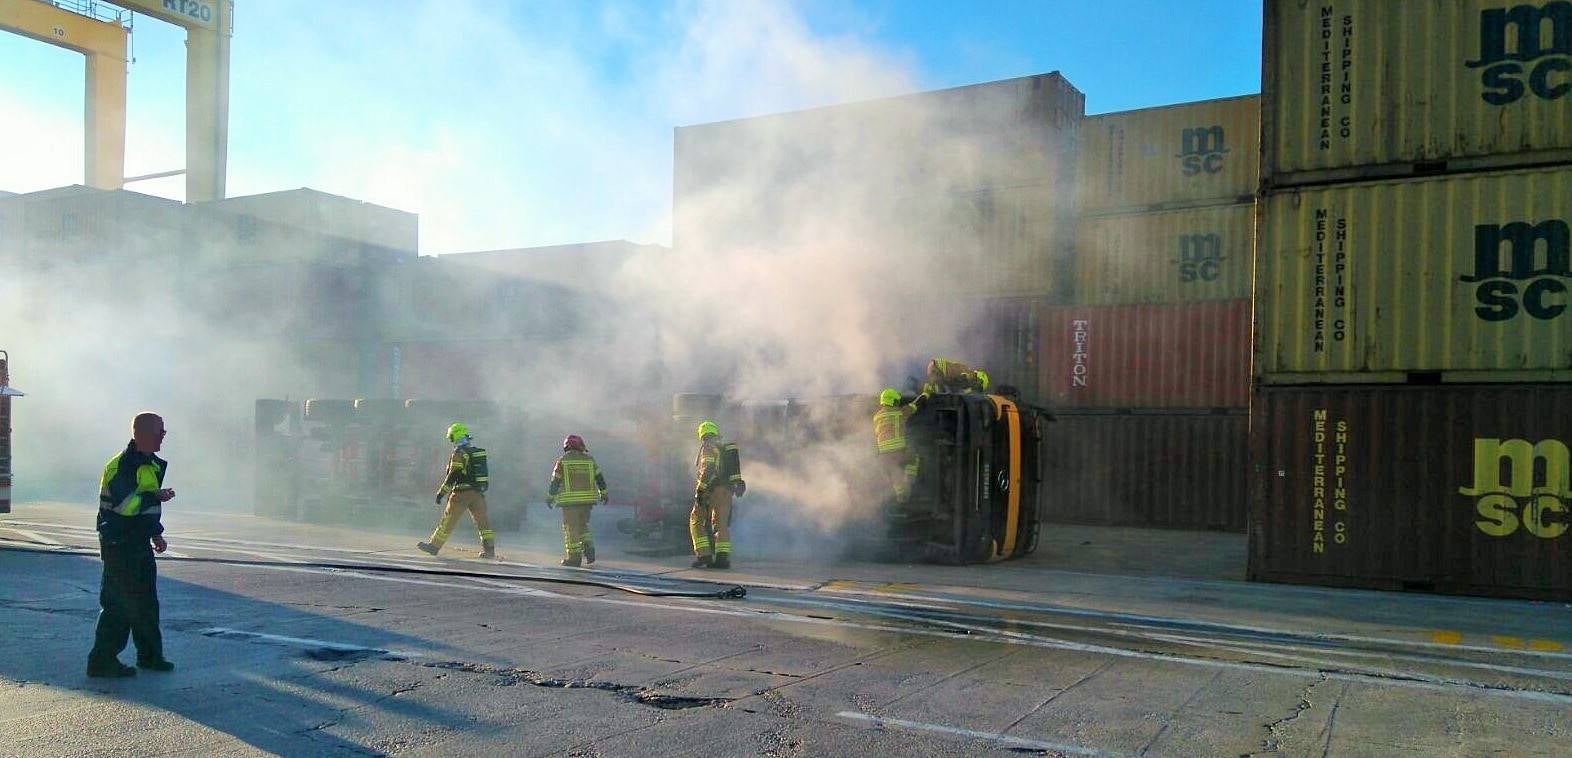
(292, 659)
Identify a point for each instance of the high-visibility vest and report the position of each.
(130, 484)
(889, 429)
(578, 473)
(467, 469)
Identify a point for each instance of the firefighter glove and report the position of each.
(439, 498)
(739, 488)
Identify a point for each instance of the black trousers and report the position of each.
(128, 602)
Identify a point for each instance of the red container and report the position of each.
(1187, 355)
(1461, 489)
(1169, 470)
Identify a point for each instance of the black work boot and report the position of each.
(427, 548)
(722, 561)
(589, 552)
(571, 561)
(110, 670)
(701, 562)
(156, 664)
(488, 549)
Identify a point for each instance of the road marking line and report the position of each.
(1513, 643)
(879, 722)
(1446, 638)
(35, 537)
(227, 633)
(1549, 646)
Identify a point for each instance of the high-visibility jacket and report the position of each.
(467, 470)
(128, 504)
(707, 465)
(953, 376)
(576, 480)
(889, 428)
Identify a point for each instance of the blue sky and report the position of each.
(517, 124)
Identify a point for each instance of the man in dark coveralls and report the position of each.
(130, 497)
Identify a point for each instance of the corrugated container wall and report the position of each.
(1204, 153)
(374, 227)
(1357, 89)
(1169, 470)
(967, 190)
(5, 436)
(1164, 257)
(1462, 274)
(1190, 355)
(1455, 489)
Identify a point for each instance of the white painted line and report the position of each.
(227, 633)
(36, 537)
(880, 722)
(983, 634)
(173, 554)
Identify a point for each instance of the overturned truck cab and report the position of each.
(977, 496)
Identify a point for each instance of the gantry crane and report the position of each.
(97, 31)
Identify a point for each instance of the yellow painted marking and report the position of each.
(1546, 646)
(1515, 643)
(1447, 638)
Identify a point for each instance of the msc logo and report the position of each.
(1539, 506)
(1200, 257)
(1523, 279)
(1541, 61)
(1201, 150)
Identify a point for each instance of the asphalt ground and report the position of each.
(295, 639)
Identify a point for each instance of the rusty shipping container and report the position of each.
(971, 185)
(1356, 89)
(1189, 355)
(1168, 470)
(1192, 154)
(1164, 257)
(1457, 274)
(1459, 489)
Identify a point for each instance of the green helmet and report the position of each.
(889, 397)
(982, 378)
(457, 432)
(708, 429)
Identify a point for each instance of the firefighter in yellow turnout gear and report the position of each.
(945, 375)
(713, 488)
(464, 486)
(577, 484)
(889, 435)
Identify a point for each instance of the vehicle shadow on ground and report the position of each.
(275, 695)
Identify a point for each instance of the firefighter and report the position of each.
(464, 487)
(889, 435)
(945, 375)
(577, 484)
(130, 499)
(713, 489)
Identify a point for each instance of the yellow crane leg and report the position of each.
(104, 44)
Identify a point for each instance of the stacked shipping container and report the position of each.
(1413, 354)
(1147, 366)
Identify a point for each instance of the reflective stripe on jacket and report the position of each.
(576, 480)
(461, 470)
(889, 428)
(128, 504)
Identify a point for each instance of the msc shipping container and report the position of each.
(1164, 257)
(1460, 489)
(1190, 355)
(1187, 155)
(1169, 470)
(1358, 89)
(1457, 274)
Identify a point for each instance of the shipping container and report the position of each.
(1187, 155)
(5, 432)
(1357, 89)
(1167, 470)
(1189, 355)
(1164, 257)
(1465, 273)
(1458, 489)
(83, 226)
(973, 184)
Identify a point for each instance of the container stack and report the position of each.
(1147, 365)
(1413, 350)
